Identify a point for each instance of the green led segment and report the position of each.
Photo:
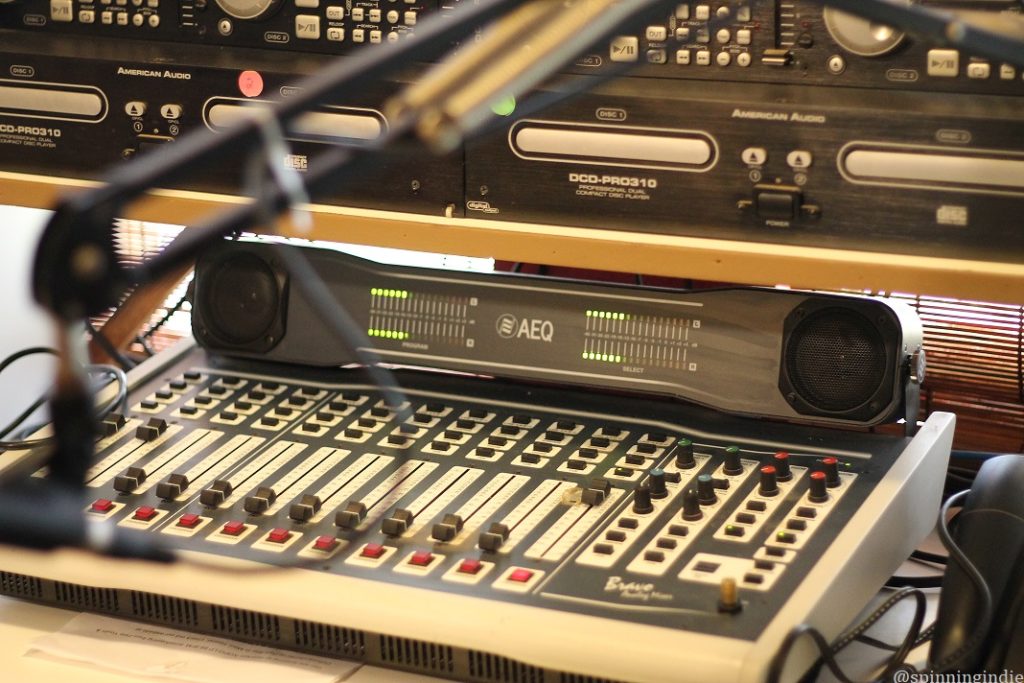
(602, 357)
(390, 293)
(607, 315)
(387, 334)
(505, 106)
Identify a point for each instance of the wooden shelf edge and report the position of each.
(668, 255)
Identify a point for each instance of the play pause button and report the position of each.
(945, 63)
(625, 49)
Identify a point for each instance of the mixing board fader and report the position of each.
(564, 517)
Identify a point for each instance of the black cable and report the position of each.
(952, 662)
(7, 362)
(120, 399)
(23, 416)
(165, 318)
(925, 556)
(925, 636)
(146, 348)
(108, 347)
(30, 351)
(897, 581)
(828, 651)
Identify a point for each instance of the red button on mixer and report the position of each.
(421, 558)
(325, 543)
(279, 535)
(374, 551)
(233, 528)
(145, 513)
(520, 575)
(470, 566)
(189, 521)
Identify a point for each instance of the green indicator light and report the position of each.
(373, 292)
(618, 359)
(685, 443)
(504, 107)
(405, 295)
(589, 313)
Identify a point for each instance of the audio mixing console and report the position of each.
(500, 532)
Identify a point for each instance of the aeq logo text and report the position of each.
(535, 329)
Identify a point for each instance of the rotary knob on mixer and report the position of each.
(656, 482)
(733, 465)
(781, 462)
(642, 500)
(830, 466)
(768, 485)
(819, 488)
(706, 490)
(691, 506)
(684, 455)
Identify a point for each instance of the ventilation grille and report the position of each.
(487, 667)
(245, 624)
(86, 598)
(161, 608)
(331, 640)
(417, 654)
(20, 586)
(576, 678)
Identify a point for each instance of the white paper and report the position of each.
(144, 650)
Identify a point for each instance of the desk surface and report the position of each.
(22, 622)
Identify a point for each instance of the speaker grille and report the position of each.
(242, 300)
(836, 360)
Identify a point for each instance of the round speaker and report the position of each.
(240, 303)
(837, 361)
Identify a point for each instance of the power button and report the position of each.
(776, 202)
